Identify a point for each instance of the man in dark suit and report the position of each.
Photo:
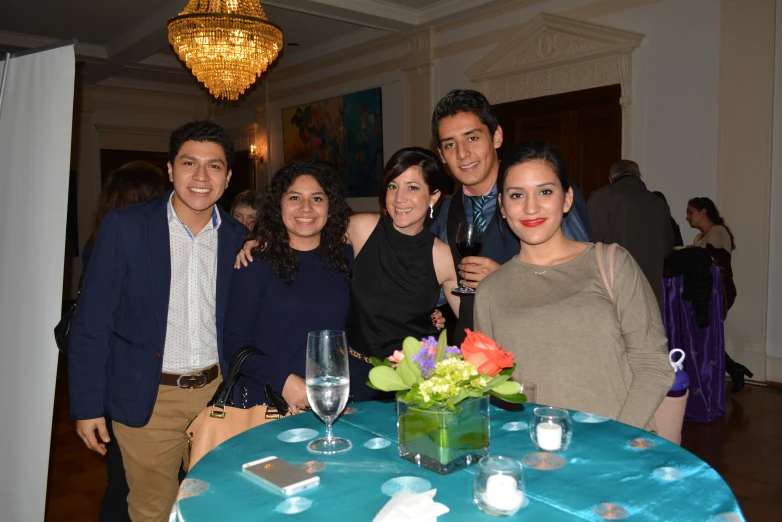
(146, 341)
(626, 212)
(468, 134)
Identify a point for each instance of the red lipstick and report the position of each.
(531, 223)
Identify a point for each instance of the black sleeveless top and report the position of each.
(393, 291)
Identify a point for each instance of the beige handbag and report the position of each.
(669, 416)
(220, 421)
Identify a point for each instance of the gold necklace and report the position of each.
(536, 272)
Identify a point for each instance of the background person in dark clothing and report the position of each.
(626, 212)
(677, 232)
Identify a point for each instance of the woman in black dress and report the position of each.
(399, 266)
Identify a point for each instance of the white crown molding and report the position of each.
(165, 60)
(371, 7)
(145, 85)
(133, 131)
(404, 14)
(348, 41)
(554, 55)
(29, 41)
(435, 11)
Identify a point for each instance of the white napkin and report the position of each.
(412, 507)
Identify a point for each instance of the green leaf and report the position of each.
(518, 398)
(442, 344)
(411, 346)
(507, 388)
(494, 382)
(386, 379)
(381, 362)
(508, 371)
(407, 371)
(456, 399)
(369, 383)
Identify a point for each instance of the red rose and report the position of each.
(484, 354)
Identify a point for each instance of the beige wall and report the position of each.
(112, 118)
(744, 178)
(774, 326)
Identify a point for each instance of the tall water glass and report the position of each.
(328, 385)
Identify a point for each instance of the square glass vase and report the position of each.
(442, 440)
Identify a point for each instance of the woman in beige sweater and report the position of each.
(551, 308)
(702, 214)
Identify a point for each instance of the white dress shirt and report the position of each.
(191, 335)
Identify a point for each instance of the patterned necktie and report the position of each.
(478, 219)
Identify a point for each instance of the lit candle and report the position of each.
(502, 493)
(549, 436)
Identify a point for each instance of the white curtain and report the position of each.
(35, 149)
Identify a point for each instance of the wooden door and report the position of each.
(585, 125)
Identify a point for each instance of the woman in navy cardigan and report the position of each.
(298, 284)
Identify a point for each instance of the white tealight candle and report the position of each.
(549, 436)
(502, 493)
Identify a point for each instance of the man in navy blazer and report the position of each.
(146, 341)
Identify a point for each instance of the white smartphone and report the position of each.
(280, 476)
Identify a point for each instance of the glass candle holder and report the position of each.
(530, 390)
(551, 429)
(498, 487)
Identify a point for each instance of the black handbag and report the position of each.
(223, 396)
(220, 420)
(62, 331)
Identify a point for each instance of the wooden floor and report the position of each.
(745, 447)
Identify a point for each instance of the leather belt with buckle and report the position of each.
(195, 380)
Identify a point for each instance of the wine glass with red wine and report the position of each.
(468, 243)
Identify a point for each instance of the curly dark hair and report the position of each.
(201, 131)
(272, 236)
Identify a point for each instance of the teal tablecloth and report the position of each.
(610, 472)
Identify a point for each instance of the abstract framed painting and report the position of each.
(346, 131)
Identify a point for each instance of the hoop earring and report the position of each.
(431, 211)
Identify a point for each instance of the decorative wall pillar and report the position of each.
(419, 71)
(262, 170)
(746, 99)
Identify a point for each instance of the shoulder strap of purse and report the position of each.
(224, 391)
(607, 275)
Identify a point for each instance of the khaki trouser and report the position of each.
(153, 453)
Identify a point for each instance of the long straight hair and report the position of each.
(708, 205)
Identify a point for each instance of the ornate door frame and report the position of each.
(552, 55)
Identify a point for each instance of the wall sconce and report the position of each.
(254, 154)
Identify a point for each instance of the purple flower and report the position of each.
(452, 351)
(425, 360)
(430, 343)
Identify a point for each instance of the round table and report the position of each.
(610, 471)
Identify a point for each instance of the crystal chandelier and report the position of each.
(227, 44)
